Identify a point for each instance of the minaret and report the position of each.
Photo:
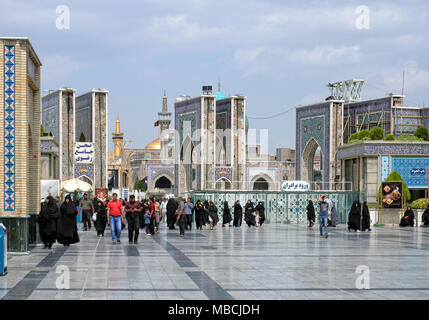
(164, 117)
(117, 138)
(164, 120)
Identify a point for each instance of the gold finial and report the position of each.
(118, 125)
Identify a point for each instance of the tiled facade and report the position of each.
(20, 137)
(58, 117)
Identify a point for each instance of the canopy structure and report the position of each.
(73, 185)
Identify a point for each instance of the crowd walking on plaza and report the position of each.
(58, 221)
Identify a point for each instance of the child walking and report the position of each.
(147, 219)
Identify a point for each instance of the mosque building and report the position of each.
(206, 150)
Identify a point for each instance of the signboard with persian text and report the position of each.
(84, 152)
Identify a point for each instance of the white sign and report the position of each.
(295, 186)
(84, 152)
(126, 193)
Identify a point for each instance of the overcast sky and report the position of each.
(279, 54)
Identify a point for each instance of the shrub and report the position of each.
(409, 138)
(363, 134)
(394, 176)
(420, 203)
(389, 137)
(353, 138)
(422, 133)
(376, 133)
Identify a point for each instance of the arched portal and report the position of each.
(163, 183)
(223, 184)
(187, 159)
(312, 162)
(262, 182)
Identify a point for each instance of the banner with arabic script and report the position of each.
(295, 186)
(84, 152)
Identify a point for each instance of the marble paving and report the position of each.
(272, 262)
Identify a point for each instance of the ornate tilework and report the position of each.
(9, 127)
(384, 167)
(223, 172)
(414, 171)
(313, 128)
(86, 170)
(313, 111)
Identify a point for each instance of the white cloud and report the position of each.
(415, 78)
(323, 55)
(58, 69)
(177, 28)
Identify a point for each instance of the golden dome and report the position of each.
(154, 145)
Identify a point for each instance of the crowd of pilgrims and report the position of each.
(359, 218)
(58, 220)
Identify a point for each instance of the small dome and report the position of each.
(154, 145)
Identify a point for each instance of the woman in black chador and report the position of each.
(47, 220)
(238, 214)
(248, 214)
(171, 213)
(67, 227)
(425, 217)
(100, 223)
(366, 219)
(227, 217)
(408, 218)
(261, 209)
(206, 213)
(311, 216)
(354, 217)
(213, 217)
(199, 215)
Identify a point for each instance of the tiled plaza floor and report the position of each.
(272, 262)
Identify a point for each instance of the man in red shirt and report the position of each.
(115, 216)
(132, 209)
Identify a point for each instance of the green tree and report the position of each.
(389, 137)
(42, 130)
(139, 185)
(363, 134)
(353, 137)
(395, 176)
(376, 133)
(422, 132)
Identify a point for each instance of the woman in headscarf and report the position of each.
(248, 214)
(408, 218)
(47, 222)
(366, 219)
(171, 213)
(100, 223)
(334, 217)
(425, 217)
(227, 217)
(199, 215)
(238, 214)
(354, 217)
(206, 213)
(213, 217)
(261, 209)
(67, 227)
(311, 216)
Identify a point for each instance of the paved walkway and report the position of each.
(272, 262)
